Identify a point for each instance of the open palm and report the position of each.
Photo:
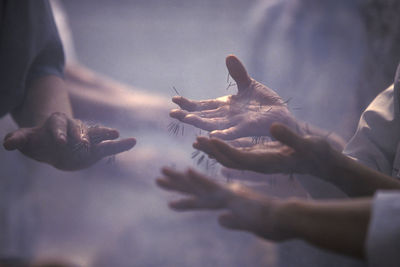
(248, 113)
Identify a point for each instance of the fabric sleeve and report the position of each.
(50, 56)
(375, 141)
(383, 238)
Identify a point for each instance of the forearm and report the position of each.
(338, 225)
(45, 96)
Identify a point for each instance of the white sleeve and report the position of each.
(375, 141)
(383, 239)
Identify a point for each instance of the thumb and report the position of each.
(238, 72)
(286, 136)
(15, 140)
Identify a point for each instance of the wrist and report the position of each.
(290, 218)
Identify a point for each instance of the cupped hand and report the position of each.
(291, 153)
(248, 113)
(66, 143)
(246, 210)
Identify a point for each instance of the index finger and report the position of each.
(193, 105)
(112, 147)
(99, 133)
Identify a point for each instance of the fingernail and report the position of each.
(62, 137)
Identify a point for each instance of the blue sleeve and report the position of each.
(49, 59)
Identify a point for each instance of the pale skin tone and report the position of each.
(50, 134)
(97, 97)
(338, 225)
(250, 112)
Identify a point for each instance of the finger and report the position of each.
(230, 221)
(78, 134)
(189, 204)
(15, 140)
(244, 175)
(242, 142)
(213, 113)
(208, 124)
(111, 147)
(99, 134)
(201, 182)
(222, 158)
(227, 134)
(57, 124)
(286, 136)
(230, 152)
(192, 105)
(179, 181)
(172, 185)
(172, 173)
(178, 114)
(203, 144)
(236, 158)
(238, 72)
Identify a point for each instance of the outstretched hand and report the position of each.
(66, 143)
(247, 210)
(290, 154)
(248, 113)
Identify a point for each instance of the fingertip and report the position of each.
(196, 145)
(177, 114)
(175, 205)
(172, 205)
(276, 128)
(237, 71)
(131, 142)
(13, 141)
(176, 99)
(231, 59)
(202, 139)
(167, 171)
(113, 134)
(7, 144)
(61, 139)
(160, 182)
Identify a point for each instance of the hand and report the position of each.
(248, 113)
(290, 154)
(66, 143)
(246, 210)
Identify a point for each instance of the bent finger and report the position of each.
(78, 134)
(187, 204)
(227, 134)
(208, 124)
(193, 105)
(286, 136)
(98, 134)
(15, 140)
(57, 124)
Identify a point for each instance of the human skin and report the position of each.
(292, 153)
(50, 134)
(250, 112)
(96, 97)
(337, 225)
